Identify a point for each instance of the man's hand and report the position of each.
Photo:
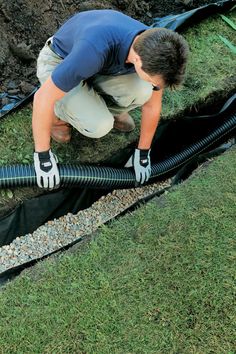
(140, 160)
(45, 164)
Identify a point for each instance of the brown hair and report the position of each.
(163, 52)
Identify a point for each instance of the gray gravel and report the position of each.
(61, 232)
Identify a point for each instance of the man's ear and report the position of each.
(138, 60)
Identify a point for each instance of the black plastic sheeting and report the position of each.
(181, 21)
(174, 22)
(14, 101)
(32, 213)
(181, 175)
(107, 177)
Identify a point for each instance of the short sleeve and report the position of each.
(83, 62)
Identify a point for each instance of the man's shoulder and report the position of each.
(105, 18)
(111, 24)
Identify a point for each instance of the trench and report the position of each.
(193, 140)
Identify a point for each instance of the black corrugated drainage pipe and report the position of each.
(113, 178)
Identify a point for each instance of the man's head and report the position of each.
(160, 56)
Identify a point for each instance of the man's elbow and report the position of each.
(37, 96)
(48, 91)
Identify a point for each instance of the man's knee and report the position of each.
(95, 126)
(100, 129)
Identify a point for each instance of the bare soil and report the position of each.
(26, 24)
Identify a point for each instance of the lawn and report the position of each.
(158, 280)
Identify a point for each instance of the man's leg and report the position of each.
(122, 94)
(46, 63)
(82, 107)
(85, 110)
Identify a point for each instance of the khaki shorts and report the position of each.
(91, 108)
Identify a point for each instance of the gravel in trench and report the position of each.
(69, 228)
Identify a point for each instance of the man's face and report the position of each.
(156, 80)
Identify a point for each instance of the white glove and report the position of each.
(140, 160)
(45, 164)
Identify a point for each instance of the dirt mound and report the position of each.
(26, 24)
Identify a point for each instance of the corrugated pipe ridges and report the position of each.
(111, 178)
(108, 177)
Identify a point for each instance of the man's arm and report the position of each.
(45, 162)
(151, 112)
(43, 113)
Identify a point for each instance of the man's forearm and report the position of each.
(149, 123)
(43, 114)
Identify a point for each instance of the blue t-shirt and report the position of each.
(93, 42)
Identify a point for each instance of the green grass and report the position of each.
(158, 280)
(211, 66)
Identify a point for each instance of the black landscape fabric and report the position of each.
(32, 213)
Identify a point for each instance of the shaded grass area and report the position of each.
(211, 67)
(158, 280)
